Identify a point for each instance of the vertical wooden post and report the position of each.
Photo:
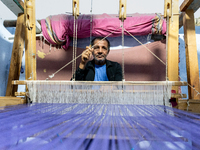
(173, 40)
(191, 53)
(30, 39)
(16, 59)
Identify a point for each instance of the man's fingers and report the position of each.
(88, 48)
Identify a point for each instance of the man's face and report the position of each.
(100, 51)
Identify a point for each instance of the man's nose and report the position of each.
(100, 49)
(99, 52)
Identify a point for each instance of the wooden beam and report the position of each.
(172, 44)
(194, 6)
(178, 95)
(30, 40)
(191, 54)
(185, 5)
(17, 6)
(7, 101)
(174, 83)
(189, 105)
(16, 58)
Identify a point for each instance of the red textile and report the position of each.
(62, 26)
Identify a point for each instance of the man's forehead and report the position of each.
(101, 42)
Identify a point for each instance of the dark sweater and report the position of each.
(113, 71)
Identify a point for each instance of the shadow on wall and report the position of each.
(5, 57)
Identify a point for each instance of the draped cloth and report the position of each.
(59, 29)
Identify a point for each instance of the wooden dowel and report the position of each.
(20, 93)
(18, 82)
(174, 83)
(173, 95)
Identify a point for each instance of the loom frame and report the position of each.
(187, 8)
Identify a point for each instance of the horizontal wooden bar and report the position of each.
(174, 95)
(174, 83)
(7, 101)
(194, 6)
(190, 105)
(20, 93)
(18, 82)
(194, 101)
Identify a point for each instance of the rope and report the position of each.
(91, 19)
(73, 48)
(123, 50)
(167, 45)
(74, 45)
(145, 47)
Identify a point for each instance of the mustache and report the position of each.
(100, 55)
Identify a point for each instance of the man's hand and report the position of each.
(86, 55)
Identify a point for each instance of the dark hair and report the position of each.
(101, 38)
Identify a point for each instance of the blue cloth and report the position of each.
(100, 73)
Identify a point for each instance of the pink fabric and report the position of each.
(102, 25)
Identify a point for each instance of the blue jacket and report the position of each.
(113, 70)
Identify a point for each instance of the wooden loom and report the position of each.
(191, 51)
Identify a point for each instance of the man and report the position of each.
(99, 69)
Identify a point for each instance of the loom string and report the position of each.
(71, 128)
(123, 133)
(141, 111)
(57, 123)
(137, 125)
(98, 133)
(28, 126)
(150, 121)
(153, 131)
(93, 128)
(177, 124)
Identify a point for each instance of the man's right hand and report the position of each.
(86, 55)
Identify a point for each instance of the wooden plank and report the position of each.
(189, 105)
(7, 101)
(175, 95)
(191, 54)
(194, 6)
(174, 83)
(172, 44)
(30, 40)
(185, 5)
(16, 59)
